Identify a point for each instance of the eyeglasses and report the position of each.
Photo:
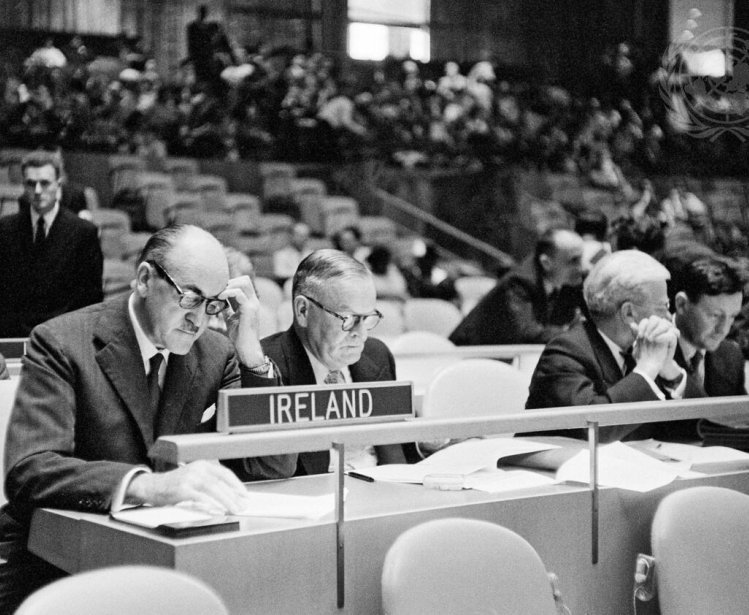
(189, 299)
(350, 321)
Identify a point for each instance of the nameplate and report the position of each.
(264, 408)
(13, 347)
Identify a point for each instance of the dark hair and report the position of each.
(354, 230)
(42, 158)
(594, 223)
(708, 276)
(644, 234)
(379, 259)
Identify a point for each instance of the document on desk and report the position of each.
(620, 466)
(694, 457)
(458, 459)
(280, 505)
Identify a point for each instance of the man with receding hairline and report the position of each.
(533, 302)
(99, 385)
(334, 303)
(624, 353)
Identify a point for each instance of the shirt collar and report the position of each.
(49, 217)
(321, 371)
(615, 349)
(146, 346)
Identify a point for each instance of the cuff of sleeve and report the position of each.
(651, 383)
(118, 499)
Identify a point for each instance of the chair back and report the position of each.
(392, 324)
(700, 540)
(435, 315)
(124, 590)
(471, 289)
(269, 293)
(464, 566)
(421, 341)
(476, 387)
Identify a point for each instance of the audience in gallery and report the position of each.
(267, 103)
(533, 302)
(99, 385)
(53, 259)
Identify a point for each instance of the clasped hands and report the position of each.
(654, 347)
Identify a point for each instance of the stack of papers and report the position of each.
(694, 457)
(261, 504)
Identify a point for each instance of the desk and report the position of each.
(289, 566)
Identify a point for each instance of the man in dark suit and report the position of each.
(334, 308)
(533, 302)
(708, 295)
(99, 385)
(624, 353)
(52, 260)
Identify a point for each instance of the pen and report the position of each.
(363, 477)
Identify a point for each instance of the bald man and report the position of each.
(533, 302)
(100, 384)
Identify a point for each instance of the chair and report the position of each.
(435, 315)
(700, 541)
(269, 293)
(212, 189)
(182, 170)
(421, 342)
(124, 590)
(117, 276)
(10, 163)
(476, 387)
(114, 227)
(285, 315)
(377, 230)
(392, 324)
(471, 289)
(277, 178)
(123, 171)
(464, 566)
(9, 195)
(337, 212)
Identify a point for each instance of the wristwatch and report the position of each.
(262, 369)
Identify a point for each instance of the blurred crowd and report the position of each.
(275, 103)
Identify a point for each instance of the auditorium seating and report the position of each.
(125, 590)
(458, 565)
(434, 315)
(471, 289)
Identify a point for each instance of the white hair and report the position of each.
(619, 277)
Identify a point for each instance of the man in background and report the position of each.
(532, 303)
(52, 260)
(334, 309)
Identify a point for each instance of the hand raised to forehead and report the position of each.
(242, 319)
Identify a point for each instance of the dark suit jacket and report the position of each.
(81, 418)
(577, 369)
(517, 311)
(376, 363)
(38, 283)
(724, 375)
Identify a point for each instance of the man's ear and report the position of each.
(301, 310)
(681, 301)
(627, 312)
(143, 275)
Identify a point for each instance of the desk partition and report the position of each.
(333, 565)
(13, 349)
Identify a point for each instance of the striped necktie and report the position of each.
(335, 377)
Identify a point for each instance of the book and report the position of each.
(175, 521)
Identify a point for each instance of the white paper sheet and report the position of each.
(261, 504)
(494, 480)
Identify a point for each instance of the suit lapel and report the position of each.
(610, 370)
(120, 360)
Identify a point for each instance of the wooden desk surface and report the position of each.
(289, 566)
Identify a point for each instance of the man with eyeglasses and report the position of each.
(334, 300)
(624, 353)
(98, 386)
(52, 259)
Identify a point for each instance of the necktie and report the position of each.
(153, 383)
(694, 365)
(41, 231)
(335, 377)
(629, 361)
